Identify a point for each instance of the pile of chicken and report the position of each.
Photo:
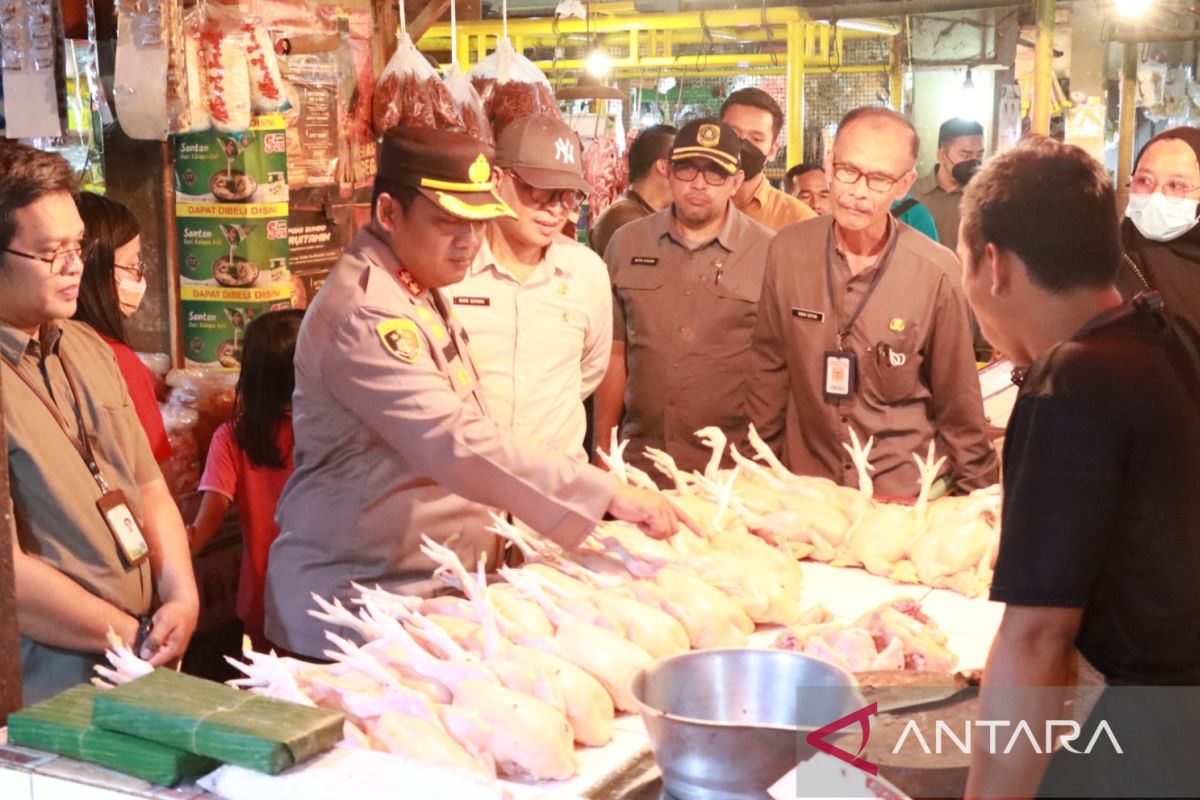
(947, 543)
(892, 636)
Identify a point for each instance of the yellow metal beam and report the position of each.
(756, 61)
(796, 32)
(1043, 68)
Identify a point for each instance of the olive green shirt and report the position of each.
(54, 494)
(686, 314)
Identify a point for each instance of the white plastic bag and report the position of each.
(470, 105)
(409, 92)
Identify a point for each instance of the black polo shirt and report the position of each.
(1102, 496)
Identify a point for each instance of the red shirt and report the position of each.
(141, 383)
(255, 490)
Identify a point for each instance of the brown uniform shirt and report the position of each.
(770, 207)
(916, 371)
(943, 205)
(686, 317)
(54, 494)
(629, 207)
(392, 437)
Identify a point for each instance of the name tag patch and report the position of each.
(811, 316)
(472, 301)
(643, 261)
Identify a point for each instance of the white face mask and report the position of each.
(1161, 218)
(130, 294)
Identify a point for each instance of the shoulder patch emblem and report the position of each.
(401, 339)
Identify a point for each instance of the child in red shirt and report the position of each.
(250, 458)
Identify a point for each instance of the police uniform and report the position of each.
(392, 435)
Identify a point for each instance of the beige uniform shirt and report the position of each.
(916, 371)
(54, 494)
(685, 316)
(770, 207)
(392, 438)
(541, 346)
(943, 205)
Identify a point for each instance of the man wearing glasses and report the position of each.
(685, 296)
(535, 303)
(862, 327)
(97, 533)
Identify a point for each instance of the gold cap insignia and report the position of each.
(897, 325)
(708, 135)
(401, 339)
(480, 170)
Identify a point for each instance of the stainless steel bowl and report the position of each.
(726, 724)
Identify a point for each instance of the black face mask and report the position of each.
(963, 171)
(753, 160)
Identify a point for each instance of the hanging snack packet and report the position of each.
(470, 106)
(511, 86)
(409, 92)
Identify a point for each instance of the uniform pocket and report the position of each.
(893, 367)
(640, 291)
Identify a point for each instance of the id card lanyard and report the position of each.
(841, 364)
(113, 506)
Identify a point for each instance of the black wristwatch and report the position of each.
(145, 624)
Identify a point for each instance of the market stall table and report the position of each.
(622, 768)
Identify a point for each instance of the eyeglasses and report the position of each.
(876, 181)
(568, 199)
(138, 269)
(59, 261)
(687, 172)
(1145, 183)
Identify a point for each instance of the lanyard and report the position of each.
(82, 443)
(844, 330)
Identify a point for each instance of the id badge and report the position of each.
(123, 526)
(841, 373)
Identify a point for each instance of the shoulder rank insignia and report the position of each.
(401, 339)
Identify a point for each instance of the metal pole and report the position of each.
(1043, 67)
(10, 646)
(1128, 123)
(795, 93)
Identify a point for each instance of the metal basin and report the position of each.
(726, 724)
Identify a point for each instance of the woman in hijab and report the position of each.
(1160, 234)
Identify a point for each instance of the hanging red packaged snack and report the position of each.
(511, 86)
(409, 92)
(474, 121)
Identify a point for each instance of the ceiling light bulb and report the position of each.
(598, 63)
(968, 84)
(1132, 9)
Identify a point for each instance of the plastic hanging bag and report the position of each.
(409, 92)
(470, 105)
(511, 86)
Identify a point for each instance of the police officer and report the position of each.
(393, 439)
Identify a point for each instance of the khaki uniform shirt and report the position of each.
(770, 207)
(916, 371)
(686, 317)
(54, 494)
(943, 205)
(629, 207)
(391, 429)
(541, 346)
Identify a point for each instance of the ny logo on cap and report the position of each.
(563, 151)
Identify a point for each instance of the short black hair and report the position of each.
(108, 225)
(26, 176)
(651, 145)
(1068, 237)
(755, 98)
(876, 113)
(800, 169)
(955, 127)
(401, 193)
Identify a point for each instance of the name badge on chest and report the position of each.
(841, 375)
(123, 526)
